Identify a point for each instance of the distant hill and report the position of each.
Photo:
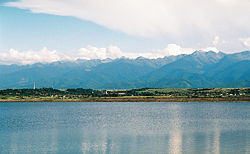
(197, 70)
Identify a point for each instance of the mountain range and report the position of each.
(197, 70)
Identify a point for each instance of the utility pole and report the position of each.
(34, 85)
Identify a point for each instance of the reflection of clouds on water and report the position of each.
(216, 125)
(175, 140)
(174, 128)
(213, 136)
(93, 147)
(171, 130)
(208, 143)
(92, 144)
(213, 139)
(99, 142)
(216, 139)
(34, 142)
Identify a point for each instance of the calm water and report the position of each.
(174, 128)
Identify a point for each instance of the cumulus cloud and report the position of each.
(114, 52)
(90, 52)
(245, 42)
(216, 40)
(176, 19)
(31, 57)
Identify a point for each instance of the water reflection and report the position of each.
(175, 140)
(96, 145)
(175, 143)
(174, 128)
(216, 139)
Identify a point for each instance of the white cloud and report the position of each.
(211, 49)
(245, 41)
(172, 50)
(175, 19)
(219, 43)
(216, 40)
(31, 57)
(90, 52)
(114, 52)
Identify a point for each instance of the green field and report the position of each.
(144, 94)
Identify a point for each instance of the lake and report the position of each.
(125, 127)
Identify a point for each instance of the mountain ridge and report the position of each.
(197, 70)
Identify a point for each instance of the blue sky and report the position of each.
(23, 30)
(111, 29)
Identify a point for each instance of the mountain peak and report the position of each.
(140, 57)
(200, 69)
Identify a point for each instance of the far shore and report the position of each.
(136, 99)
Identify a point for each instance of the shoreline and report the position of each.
(114, 99)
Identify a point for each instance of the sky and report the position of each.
(46, 31)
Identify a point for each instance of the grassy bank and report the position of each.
(134, 99)
(126, 95)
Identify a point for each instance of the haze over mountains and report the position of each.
(197, 70)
